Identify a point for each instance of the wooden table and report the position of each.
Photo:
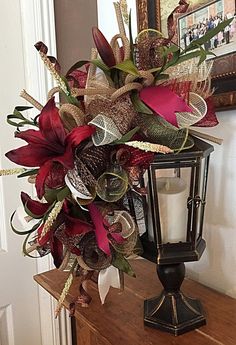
(120, 320)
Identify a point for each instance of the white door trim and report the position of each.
(38, 24)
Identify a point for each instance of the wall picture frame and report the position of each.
(154, 14)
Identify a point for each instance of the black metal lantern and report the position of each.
(174, 227)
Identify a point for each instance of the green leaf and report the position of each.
(171, 49)
(77, 65)
(127, 66)
(210, 34)
(22, 108)
(203, 56)
(18, 120)
(26, 232)
(163, 76)
(100, 64)
(186, 57)
(13, 123)
(63, 193)
(174, 60)
(122, 264)
(139, 106)
(28, 173)
(51, 194)
(155, 70)
(72, 100)
(131, 37)
(67, 86)
(210, 53)
(126, 137)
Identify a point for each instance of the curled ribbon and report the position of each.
(171, 21)
(100, 232)
(164, 102)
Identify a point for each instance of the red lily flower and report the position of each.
(49, 144)
(36, 208)
(104, 49)
(67, 232)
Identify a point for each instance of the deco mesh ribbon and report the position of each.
(87, 155)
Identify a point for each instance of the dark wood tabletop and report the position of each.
(120, 320)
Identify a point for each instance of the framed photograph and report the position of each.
(202, 15)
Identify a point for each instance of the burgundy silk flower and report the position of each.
(73, 227)
(37, 208)
(48, 144)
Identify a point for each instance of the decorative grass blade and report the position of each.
(27, 173)
(77, 65)
(122, 264)
(126, 137)
(210, 34)
(24, 232)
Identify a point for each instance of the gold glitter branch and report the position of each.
(149, 147)
(5, 172)
(119, 18)
(51, 218)
(124, 10)
(54, 73)
(66, 288)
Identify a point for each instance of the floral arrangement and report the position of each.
(87, 152)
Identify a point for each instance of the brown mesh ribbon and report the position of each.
(121, 111)
(171, 21)
(93, 257)
(95, 158)
(86, 176)
(149, 52)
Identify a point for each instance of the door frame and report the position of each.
(38, 24)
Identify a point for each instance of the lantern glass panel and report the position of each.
(173, 190)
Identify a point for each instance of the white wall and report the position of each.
(217, 266)
(17, 288)
(107, 19)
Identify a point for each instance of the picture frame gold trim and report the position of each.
(224, 68)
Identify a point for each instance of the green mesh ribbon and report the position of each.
(156, 130)
(112, 185)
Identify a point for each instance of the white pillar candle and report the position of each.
(172, 201)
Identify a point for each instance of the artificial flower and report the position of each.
(48, 144)
(144, 98)
(34, 207)
(104, 49)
